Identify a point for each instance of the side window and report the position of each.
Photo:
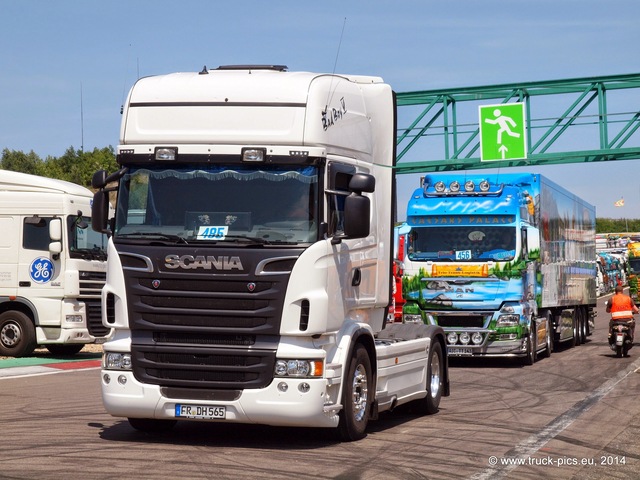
(36, 233)
(338, 182)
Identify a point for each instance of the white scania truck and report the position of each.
(249, 271)
(52, 266)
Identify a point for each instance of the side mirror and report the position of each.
(55, 235)
(357, 210)
(55, 229)
(362, 182)
(100, 211)
(99, 179)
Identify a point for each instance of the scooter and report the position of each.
(620, 338)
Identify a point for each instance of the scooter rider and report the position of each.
(622, 308)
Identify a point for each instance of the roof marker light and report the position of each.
(469, 186)
(166, 153)
(439, 186)
(253, 154)
(484, 186)
(454, 186)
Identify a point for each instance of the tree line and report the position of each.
(75, 166)
(78, 166)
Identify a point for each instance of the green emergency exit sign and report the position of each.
(502, 132)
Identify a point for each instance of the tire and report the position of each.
(549, 338)
(64, 349)
(585, 326)
(577, 322)
(17, 334)
(531, 356)
(151, 425)
(619, 351)
(357, 396)
(435, 382)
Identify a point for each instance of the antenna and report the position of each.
(81, 122)
(335, 63)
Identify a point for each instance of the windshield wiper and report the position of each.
(95, 253)
(156, 236)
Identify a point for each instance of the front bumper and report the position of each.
(124, 396)
(491, 348)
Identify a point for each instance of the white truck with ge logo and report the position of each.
(52, 266)
(249, 271)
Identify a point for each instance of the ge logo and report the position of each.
(41, 270)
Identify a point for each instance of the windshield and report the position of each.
(634, 265)
(245, 204)
(468, 242)
(84, 241)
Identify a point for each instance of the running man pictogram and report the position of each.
(505, 123)
(502, 131)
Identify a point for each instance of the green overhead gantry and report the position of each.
(568, 121)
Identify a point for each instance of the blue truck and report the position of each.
(505, 263)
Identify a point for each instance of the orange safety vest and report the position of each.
(621, 307)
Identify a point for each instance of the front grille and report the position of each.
(205, 328)
(94, 317)
(462, 321)
(219, 368)
(91, 284)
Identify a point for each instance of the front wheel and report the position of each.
(532, 345)
(357, 396)
(549, 336)
(17, 334)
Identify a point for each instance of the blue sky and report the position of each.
(55, 53)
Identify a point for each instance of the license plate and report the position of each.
(459, 351)
(619, 339)
(201, 412)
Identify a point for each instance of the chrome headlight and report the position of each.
(452, 338)
(411, 318)
(299, 368)
(116, 361)
(508, 320)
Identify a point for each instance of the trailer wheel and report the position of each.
(356, 396)
(151, 425)
(62, 349)
(584, 326)
(435, 382)
(17, 334)
(576, 324)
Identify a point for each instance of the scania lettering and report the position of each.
(249, 272)
(52, 267)
(209, 262)
(505, 263)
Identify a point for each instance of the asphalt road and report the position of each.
(575, 415)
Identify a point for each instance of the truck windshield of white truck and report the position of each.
(219, 204)
(469, 242)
